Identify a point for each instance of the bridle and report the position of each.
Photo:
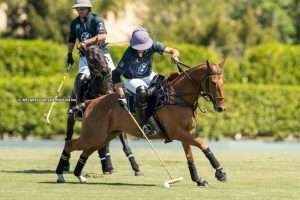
(201, 91)
(96, 65)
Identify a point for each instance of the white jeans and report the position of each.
(132, 84)
(83, 64)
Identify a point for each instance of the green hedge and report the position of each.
(271, 64)
(27, 118)
(267, 64)
(34, 57)
(254, 110)
(37, 57)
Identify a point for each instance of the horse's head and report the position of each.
(97, 62)
(214, 85)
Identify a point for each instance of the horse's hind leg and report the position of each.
(105, 159)
(70, 145)
(70, 129)
(81, 162)
(134, 165)
(192, 168)
(201, 144)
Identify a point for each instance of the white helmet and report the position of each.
(82, 4)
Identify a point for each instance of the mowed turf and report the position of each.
(254, 175)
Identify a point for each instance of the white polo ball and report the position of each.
(166, 185)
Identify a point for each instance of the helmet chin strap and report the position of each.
(140, 54)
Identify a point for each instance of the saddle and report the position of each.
(160, 94)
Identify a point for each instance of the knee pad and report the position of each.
(141, 94)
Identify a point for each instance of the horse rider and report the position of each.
(136, 69)
(90, 30)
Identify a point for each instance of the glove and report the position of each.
(82, 47)
(123, 103)
(70, 60)
(175, 59)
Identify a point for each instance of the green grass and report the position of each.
(29, 174)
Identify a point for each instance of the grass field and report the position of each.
(257, 175)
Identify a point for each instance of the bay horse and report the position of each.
(178, 120)
(100, 84)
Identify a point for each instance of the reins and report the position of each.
(200, 89)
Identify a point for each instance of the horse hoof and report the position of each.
(202, 183)
(138, 173)
(220, 175)
(108, 172)
(82, 179)
(60, 178)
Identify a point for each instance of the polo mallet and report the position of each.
(171, 179)
(47, 116)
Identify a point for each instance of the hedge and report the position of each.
(32, 57)
(267, 63)
(270, 64)
(253, 110)
(37, 57)
(27, 118)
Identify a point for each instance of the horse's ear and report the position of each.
(208, 65)
(221, 65)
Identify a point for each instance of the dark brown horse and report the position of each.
(177, 120)
(99, 84)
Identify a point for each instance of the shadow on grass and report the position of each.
(101, 183)
(31, 171)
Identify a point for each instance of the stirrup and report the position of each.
(148, 130)
(76, 112)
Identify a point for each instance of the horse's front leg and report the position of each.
(105, 159)
(70, 129)
(134, 165)
(187, 138)
(219, 173)
(192, 168)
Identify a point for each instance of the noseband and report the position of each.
(201, 91)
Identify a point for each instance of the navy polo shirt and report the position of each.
(132, 66)
(92, 26)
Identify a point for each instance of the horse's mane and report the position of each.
(174, 76)
(96, 60)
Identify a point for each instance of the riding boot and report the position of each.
(141, 108)
(80, 90)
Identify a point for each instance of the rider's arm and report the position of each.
(94, 40)
(173, 52)
(119, 89)
(118, 72)
(100, 30)
(71, 38)
(160, 48)
(71, 44)
(70, 47)
(118, 85)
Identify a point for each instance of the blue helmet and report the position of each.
(140, 39)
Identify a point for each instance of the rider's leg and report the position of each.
(141, 104)
(109, 61)
(81, 85)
